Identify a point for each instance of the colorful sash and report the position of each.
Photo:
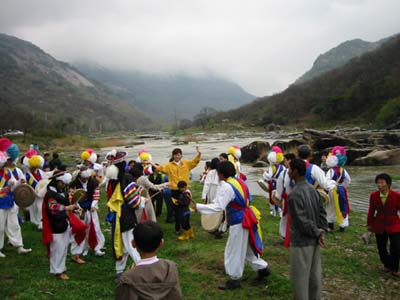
(115, 205)
(251, 215)
(33, 178)
(6, 196)
(309, 177)
(339, 194)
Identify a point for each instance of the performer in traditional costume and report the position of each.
(283, 188)
(144, 157)
(123, 197)
(59, 223)
(90, 205)
(89, 158)
(209, 193)
(314, 174)
(338, 208)
(9, 224)
(33, 176)
(234, 154)
(273, 174)
(244, 242)
(13, 229)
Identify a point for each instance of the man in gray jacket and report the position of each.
(308, 224)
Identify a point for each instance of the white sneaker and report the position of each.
(273, 212)
(22, 250)
(85, 253)
(2, 255)
(99, 253)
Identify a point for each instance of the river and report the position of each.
(359, 190)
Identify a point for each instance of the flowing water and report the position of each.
(359, 190)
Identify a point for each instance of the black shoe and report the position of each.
(218, 235)
(27, 216)
(262, 274)
(230, 285)
(341, 229)
(330, 226)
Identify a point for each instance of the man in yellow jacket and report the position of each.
(178, 169)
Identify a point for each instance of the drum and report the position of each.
(41, 187)
(78, 196)
(324, 196)
(263, 185)
(211, 223)
(24, 195)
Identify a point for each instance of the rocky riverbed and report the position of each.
(364, 147)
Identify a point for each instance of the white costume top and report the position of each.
(346, 182)
(211, 184)
(319, 176)
(225, 195)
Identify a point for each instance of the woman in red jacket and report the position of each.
(384, 221)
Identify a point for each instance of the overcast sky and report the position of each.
(262, 45)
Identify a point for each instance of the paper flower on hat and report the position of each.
(36, 161)
(13, 152)
(31, 153)
(28, 155)
(235, 151)
(143, 155)
(3, 158)
(85, 155)
(275, 156)
(337, 157)
(5, 143)
(89, 155)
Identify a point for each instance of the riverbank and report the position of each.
(351, 269)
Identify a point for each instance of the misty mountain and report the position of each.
(364, 91)
(40, 92)
(338, 57)
(163, 96)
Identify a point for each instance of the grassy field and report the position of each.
(351, 269)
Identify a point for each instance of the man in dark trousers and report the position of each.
(307, 228)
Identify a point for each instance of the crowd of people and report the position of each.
(307, 198)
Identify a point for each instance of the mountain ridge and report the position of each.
(339, 56)
(39, 92)
(173, 94)
(356, 93)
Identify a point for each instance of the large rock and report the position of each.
(255, 151)
(353, 154)
(329, 142)
(290, 146)
(379, 158)
(260, 164)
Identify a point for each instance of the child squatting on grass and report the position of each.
(151, 278)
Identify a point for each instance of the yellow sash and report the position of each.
(115, 204)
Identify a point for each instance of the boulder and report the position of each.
(379, 158)
(353, 154)
(260, 164)
(254, 151)
(290, 146)
(329, 142)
